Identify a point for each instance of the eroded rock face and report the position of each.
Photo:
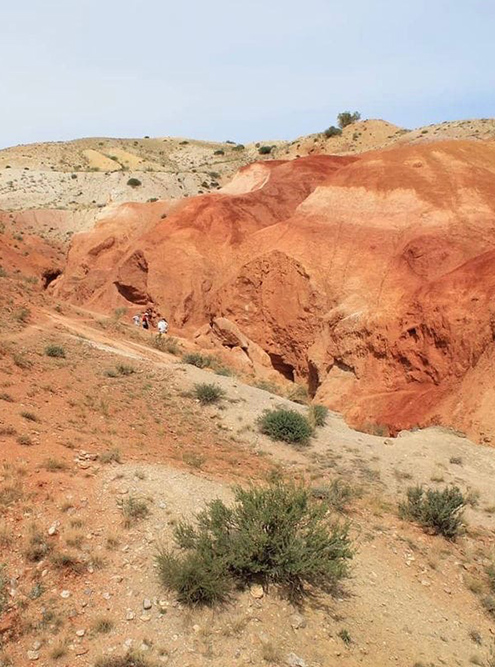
(371, 279)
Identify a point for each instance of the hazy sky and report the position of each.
(239, 69)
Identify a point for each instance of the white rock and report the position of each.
(295, 661)
(33, 655)
(65, 594)
(257, 591)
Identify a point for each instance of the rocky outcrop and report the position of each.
(369, 278)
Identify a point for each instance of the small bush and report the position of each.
(276, 534)
(54, 465)
(286, 425)
(111, 456)
(332, 131)
(110, 373)
(265, 150)
(131, 659)
(6, 397)
(134, 182)
(337, 494)
(37, 547)
(298, 394)
(318, 415)
(3, 272)
(22, 362)
(490, 572)
(208, 393)
(196, 359)
(133, 509)
(169, 345)
(24, 440)
(103, 625)
(346, 118)
(488, 603)
(125, 369)
(219, 152)
(55, 351)
(22, 315)
(439, 511)
(30, 416)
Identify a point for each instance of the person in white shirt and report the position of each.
(162, 326)
(137, 319)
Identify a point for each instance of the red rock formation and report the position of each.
(369, 278)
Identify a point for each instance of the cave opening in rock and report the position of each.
(49, 276)
(282, 366)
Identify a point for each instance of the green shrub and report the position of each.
(6, 397)
(332, 131)
(55, 351)
(22, 362)
(208, 393)
(286, 425)
(346, 118)
(134, 182)
(219, 152)
(277, 534)
(439, 511)
(196, 359)
(265, 150)
(318, 415)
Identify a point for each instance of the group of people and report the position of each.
(146, 320)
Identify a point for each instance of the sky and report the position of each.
(239, 70)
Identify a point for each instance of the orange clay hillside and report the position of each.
(369, 278)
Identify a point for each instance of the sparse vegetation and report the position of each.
(111, 456)
(55, 351)
(196, 359)
(318, 415)
(439, 511)
(346, 118)
(265, 150)
(208, 393)
(134, 182)
(131, 659)
(29, 416)
(165, 344)
(337, 494)
(277, 534)
(133, 509)
(103, 625)
(125, 369)
(22, 315)
(332, 131)
(22, 361)
(286, 425)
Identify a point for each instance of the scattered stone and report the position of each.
(53, 529)
(387, 441)
(36, 645)
(145, 618)
(196, 628)
(129, 616)
(106, 596)
(295, 661)
(33, 655)
(147, 604)
(80, 633)
(297, 621)
(65, 594)
(257, 591)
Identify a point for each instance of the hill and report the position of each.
(340, 270)
(88, 174)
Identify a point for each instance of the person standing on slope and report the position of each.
(162, 327)
(137, 319)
